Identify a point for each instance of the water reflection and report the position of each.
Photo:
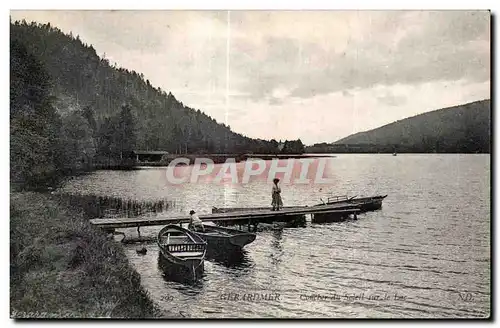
(278, 236)
(408, 248)
(277, 245)
(233, 260)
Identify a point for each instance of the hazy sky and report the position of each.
(314, 75)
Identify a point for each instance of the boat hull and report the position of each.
(223, 240)
(365, 204)
(327, 218)
(179, 273)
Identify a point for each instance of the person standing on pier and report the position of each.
(277, 203)
(195, 222)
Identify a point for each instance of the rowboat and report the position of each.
(182, 250)
(225, 240)
(365, 204)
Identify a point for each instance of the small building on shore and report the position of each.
(149, 155)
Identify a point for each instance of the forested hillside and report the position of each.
(458, 129)
(70, 109)
(35, 143)
(81, 79)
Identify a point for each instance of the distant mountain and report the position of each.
(458, 129)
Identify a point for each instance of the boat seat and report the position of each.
(187, 254)
(178, 240)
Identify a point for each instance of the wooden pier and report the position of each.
(252, 217)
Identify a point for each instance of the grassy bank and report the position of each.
(61, 266)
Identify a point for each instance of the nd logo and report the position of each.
(467, 297)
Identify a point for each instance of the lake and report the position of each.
(425, 254)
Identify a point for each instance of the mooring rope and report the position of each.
(194, 269)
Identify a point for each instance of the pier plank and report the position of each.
(113, 223)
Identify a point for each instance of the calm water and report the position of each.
(425, 254)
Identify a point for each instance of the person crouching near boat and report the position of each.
(195, 222)
(277, 203)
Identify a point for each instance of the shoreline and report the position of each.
(221, 158)
(62, 267)
(216, 158)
